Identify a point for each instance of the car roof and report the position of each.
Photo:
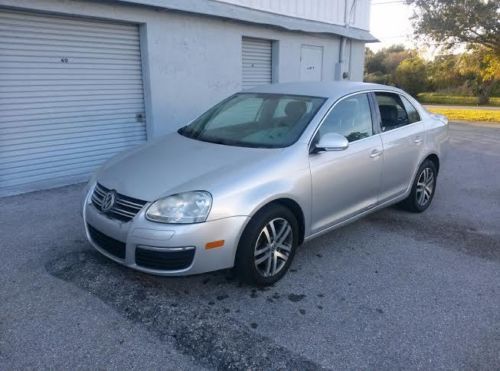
(325, 89)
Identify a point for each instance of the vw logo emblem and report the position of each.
(108, 201)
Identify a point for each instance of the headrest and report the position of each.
(388, 113)
(295, 109)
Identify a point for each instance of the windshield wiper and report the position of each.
(219, 141)
(187, 132)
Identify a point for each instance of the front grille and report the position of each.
(164, 260)
(124, 209)
(114, 247)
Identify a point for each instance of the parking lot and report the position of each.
(394, 290)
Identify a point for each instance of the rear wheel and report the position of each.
(423, 188)
(267, 246)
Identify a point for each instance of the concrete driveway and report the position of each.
(394, 290)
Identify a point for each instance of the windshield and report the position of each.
(255, 120)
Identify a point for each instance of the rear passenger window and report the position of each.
(351, 118)
(392, 111)
(413, 115)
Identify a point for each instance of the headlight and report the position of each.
(90, 184)
(182, 208)
(86, 189)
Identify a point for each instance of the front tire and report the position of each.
(423, 189)
(267, 246)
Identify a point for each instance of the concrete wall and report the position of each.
(191, 62)
(196, 62)
(357, 60)
(329, 11)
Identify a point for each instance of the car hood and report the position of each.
(174, 164)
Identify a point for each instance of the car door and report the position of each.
(345, 183)
(402, 133)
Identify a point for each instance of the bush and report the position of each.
(469, 114)
(436, 98)
(411, 75)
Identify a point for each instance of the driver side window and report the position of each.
(351, 118)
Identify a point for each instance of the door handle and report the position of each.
(417, 141)
(376, 153)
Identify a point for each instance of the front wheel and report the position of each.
(423, 189)
(267, 246)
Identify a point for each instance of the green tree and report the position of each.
(481, 69)
(474, 23)
(411, 75)
(380, 67)
(443, 74)
(448, 22)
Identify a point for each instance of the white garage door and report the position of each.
(257, 62)
(71, 96)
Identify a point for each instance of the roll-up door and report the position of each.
(257, 62)
(71, 97)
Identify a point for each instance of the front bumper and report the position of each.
(163, 249)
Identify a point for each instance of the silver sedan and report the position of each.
(261, 173)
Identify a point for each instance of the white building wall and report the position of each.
(191, 62)
(206, 65)
(328, 11)
(357, 60)
(361, 17)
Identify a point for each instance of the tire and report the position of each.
(423, 188)
(257, 256)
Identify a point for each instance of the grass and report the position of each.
(457, 114)
(436, 98)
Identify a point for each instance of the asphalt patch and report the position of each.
(296, 297)
(456, 236)
(198, 330)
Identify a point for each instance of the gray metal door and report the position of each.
(71, 96)
(257, 62)
(311, 63)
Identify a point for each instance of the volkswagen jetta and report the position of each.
(262, 172)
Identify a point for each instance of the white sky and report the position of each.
(390, 23)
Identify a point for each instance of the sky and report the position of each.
(390, 23)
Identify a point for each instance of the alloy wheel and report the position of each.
(425, 186)
(273, 247)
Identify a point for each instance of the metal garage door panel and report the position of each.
(257, 62)
(71, 96)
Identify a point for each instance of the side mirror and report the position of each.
(331, 142)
